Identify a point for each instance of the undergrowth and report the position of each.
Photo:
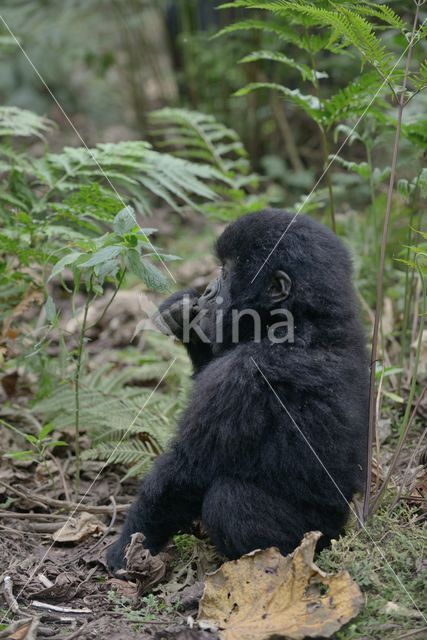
(386, 561)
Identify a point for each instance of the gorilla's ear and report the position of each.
(280, 286)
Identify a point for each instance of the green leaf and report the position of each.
(44, 431)
(20, 455)
(102, 255)
(125, 221)
(70, 258)
(50, 309)
(306, 72)
(153, 278)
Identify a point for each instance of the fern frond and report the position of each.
(274, 56)
(309, 103)
(202, 136)
(344, 22)
(419, 80)
(190, 134)
(16, 122)
(381, 11)
(132, 166)
(351, 100)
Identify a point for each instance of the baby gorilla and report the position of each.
(272, 443)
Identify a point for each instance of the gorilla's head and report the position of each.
(273, 260)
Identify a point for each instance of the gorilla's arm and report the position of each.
(171, 313)
(167, 502)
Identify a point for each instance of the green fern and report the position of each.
(128, 425)
(23, 123)
(190, 134)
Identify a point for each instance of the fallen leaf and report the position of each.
(21, 630)
(79, 527)
(64, 589)
(141, 566)
(264, 595)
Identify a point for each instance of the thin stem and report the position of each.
(111, 300)
(380, 277)
(325, 147)
(77, 386)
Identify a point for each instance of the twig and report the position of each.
(45, 581)
(61, 504)
(380, 277)
(8, 594)
(21, 494)
(57, 609)
(412, 633)
(14, 515)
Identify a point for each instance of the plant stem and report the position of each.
(380, 277)
(325, 147)
(77, 386)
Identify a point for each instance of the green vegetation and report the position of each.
(159, 124)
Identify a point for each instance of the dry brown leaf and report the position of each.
(141, 566)
(64, 589)
(264, 595)
(79, 527)
(21, 630)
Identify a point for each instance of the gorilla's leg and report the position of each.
(241, 517)
(166, 504)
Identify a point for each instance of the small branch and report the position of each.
(42, 501)
(57, 609)
(11, 601)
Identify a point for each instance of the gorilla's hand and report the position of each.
(173, 312)
(116, 557)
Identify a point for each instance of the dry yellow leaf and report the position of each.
(79, 527)
(264, 595)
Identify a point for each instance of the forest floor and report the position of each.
(53, 578)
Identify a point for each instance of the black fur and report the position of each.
(238, 460)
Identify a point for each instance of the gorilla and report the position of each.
(272, 443)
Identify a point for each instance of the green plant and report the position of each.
(118, 437)
(383, 559)
(201, 138)
(41, 445)
(150, 607)
(311, 28)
